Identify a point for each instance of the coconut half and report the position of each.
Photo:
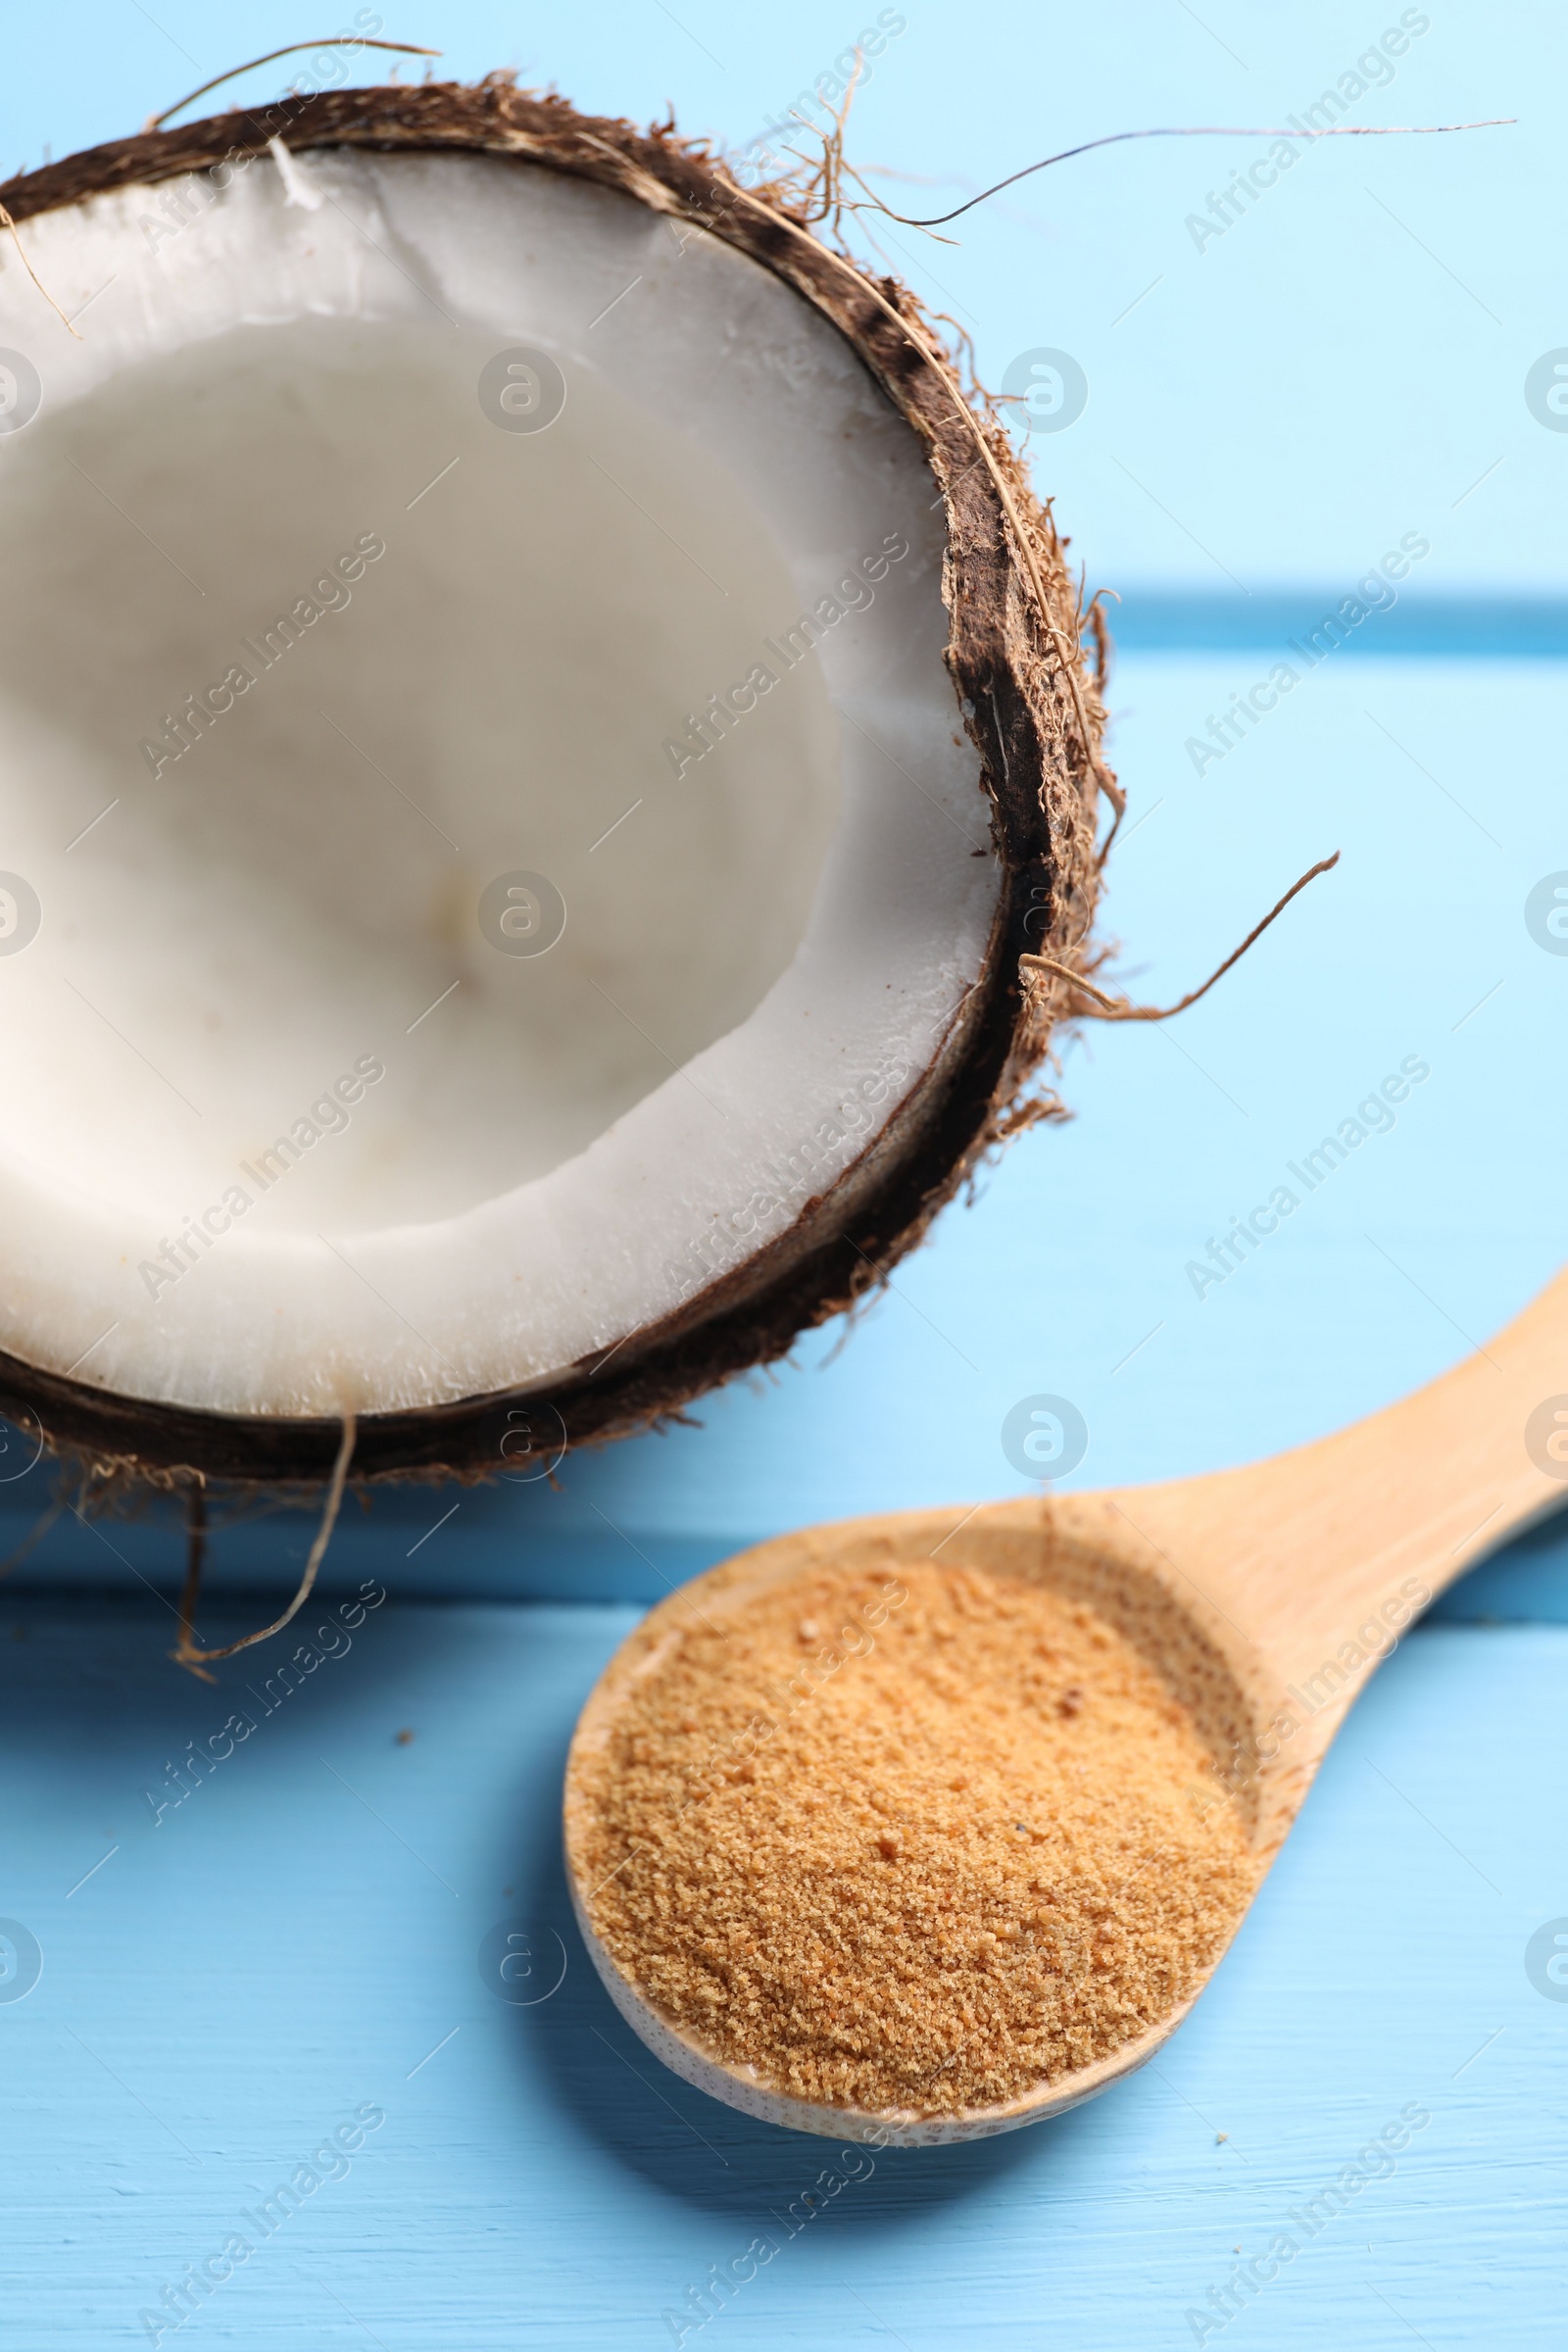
(535, 725)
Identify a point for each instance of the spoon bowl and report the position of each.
(1264, 1596)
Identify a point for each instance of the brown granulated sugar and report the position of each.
(921, 1839)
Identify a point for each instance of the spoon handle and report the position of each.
(1303, 1549)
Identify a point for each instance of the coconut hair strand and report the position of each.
(195, 1659)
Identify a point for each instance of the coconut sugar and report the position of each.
(917, 1840)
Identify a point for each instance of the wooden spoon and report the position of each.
(1267, 1595)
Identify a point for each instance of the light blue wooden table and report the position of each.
(306, 1943)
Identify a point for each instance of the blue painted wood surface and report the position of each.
(301, 1936)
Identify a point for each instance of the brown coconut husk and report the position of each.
(1030, 704)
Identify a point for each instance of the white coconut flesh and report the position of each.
(288, 1127)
